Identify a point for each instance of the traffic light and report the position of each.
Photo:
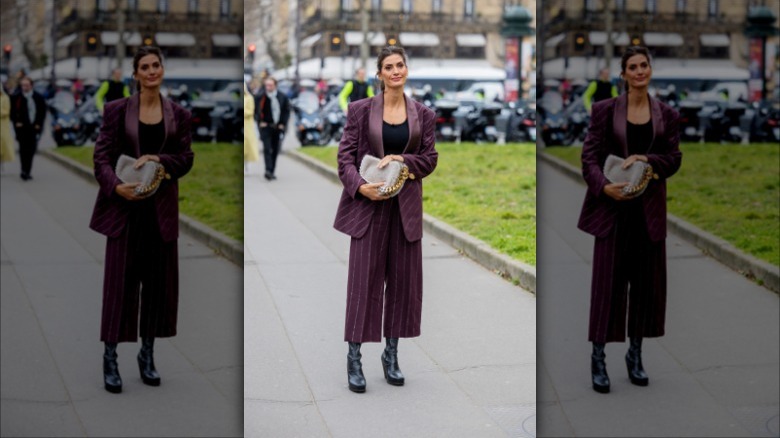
(7, 49)
(148, 40)
(251, 53)
(335, 42)
(579, 42)
(91, 42)
(391, 40)
(635, 40)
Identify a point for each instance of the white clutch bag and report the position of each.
(394, 175)
(638, 175)
(149, 176)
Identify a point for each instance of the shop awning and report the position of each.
(714, 40)
(470, 40)
(174, 39)
(355, 38)
(598, 38)
(418, 39)
(663, 39)
(227, 40)
(109, 38)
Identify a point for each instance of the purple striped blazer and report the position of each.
(119, 135)
(363, 135)
(607, 135)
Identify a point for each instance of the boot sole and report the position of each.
(394, 382)
(151, 382)
(601, 389)
(358, 389)
(113, 389)
(634, 380)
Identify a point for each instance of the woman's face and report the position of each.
(638, 71)
(150, 71)
(393, 71)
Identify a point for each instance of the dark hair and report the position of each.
(631, 51)
(140, 53)
(384, 53)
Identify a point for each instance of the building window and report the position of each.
(192, 6)
(162, 6)
(681, 6)
(376, 6)
(101, 5)
(346, 5)
(712, 8)
(650, 6)
(620, 5)
(132, 5)
(436, 7)
(468, 8)
(224, 8)
(406, 6)
(590, 5)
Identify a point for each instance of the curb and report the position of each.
(764, 273)
(476, 249)
(223, 245)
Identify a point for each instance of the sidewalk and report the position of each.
(52, 273)
(472, 373)
(714, 373)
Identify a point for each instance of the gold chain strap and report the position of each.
(159, 174)
(389, 191)
(646, 177)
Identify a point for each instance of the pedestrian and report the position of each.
(629, 256)
(6, 141)
(28, 112)
(250, 132)
(142, 232)
(111, 90)
(273, 111)
(599, 90)
(385, 256)
(355, 90)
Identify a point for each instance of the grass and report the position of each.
(212, 192)
(731, 191)
(487, 191)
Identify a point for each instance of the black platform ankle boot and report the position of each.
(146, 363)
(111, 378)
(357, 383)
(393, 373)
(634, 363)
(598, 368)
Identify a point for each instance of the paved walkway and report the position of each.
(715, 373)
(472, 373)
(52, 271)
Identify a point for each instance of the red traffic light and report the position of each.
(7, 48)
(251, 48)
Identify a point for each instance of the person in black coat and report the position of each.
(28, 112)
(272, 112)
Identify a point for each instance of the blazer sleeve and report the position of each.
(180, 162)
(108, 148)
(595, 147)
(347, 156)
(422, 163)
(667, 164)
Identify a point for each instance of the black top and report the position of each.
(151, 137)
(395, 137)
(639, 137)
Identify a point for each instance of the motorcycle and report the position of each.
(308, 125)
(64, 122)
(522, 123)
(765, 124)
(90, 120)
(477, 123)
(690, 122)
(550, 108)
(445, 121)
(333, 121)
(724, 123)
(202, 126)
(577, 119)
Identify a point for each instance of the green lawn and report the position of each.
(732, 191)
(212, 192)
(488, 191)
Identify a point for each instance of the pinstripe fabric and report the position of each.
(385, 276)
(141, 271)
(141, 267)
(629, 272)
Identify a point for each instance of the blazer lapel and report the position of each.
(131, 123)
(170, 127)
(375, 125)
(658, 122)
(619, 120)
(414, 126)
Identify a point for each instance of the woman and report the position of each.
(141, 249)
(251, 149)
(6, 142)
(629, 263)
(385, 231)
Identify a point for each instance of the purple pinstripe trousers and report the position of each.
(384, 268)
(629, 270)
(140, 270)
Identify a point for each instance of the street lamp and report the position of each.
(760, 25)
(516, 25)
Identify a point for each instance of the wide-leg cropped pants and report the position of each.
(385, 276)
(629, 270)
(140, 270)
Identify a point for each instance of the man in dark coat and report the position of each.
(272, 112)
(28, 112)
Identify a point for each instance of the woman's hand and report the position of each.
(631, 159)
(388, 158)
(127, 191)
(371, 191)
(143, 159)
(615, 191)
